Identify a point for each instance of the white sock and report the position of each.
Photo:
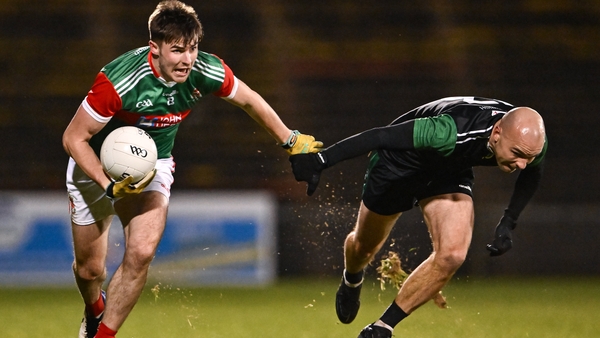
(350, 284)
(382, 324)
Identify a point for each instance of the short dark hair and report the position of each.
(172, 21)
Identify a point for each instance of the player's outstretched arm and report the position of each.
(308, 167)
(255, 106)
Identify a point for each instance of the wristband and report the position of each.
(109, 189)
(291, 140)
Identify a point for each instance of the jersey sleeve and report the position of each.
(435, 133)
(525, 187)
(392, 137)
(230, 83)
(526, 184)
(102, 101)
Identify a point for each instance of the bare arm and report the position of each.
(76, 143)
(255, 106)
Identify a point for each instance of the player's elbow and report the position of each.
(73, 139)
(67, 142)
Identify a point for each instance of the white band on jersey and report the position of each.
(236, 84)
(86, 106)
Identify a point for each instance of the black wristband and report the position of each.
(109, 189)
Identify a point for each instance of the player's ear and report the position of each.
(496, 131)
(153, 47)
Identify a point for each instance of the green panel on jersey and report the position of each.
(435, 133)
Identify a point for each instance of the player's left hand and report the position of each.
(307, 168)
(125, 186)
(503, 237)
(302, 144)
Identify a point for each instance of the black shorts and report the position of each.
(386, 193)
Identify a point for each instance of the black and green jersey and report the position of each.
(449, 135)
(129, 91)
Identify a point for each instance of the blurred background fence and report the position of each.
(332, 68)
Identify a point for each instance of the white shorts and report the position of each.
(88, 202)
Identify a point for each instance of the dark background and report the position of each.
(331, 69)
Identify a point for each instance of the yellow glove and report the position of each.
(301, 144)
(125, 187)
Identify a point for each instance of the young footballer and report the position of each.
(153, 88)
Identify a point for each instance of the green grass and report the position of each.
(544, 307)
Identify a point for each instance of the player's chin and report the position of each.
(180, 76)
(181, 79)
(506, 168)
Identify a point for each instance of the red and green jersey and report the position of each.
(129, 91)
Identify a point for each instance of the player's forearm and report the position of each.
(268, 119)
(261, 112)
(87, 160)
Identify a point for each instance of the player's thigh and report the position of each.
(90, 242)
(144, 218)
(449, 218)
(372, 228)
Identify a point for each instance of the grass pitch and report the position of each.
(542, 307)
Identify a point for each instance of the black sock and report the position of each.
(393, 315)
(353, 278)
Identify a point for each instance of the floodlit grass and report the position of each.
(542, 307)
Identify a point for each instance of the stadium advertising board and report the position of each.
(225, 238)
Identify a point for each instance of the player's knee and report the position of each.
(450, 260)
(365, 251)
(89, 270)
(139, 258)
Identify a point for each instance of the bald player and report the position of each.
(425, 158)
